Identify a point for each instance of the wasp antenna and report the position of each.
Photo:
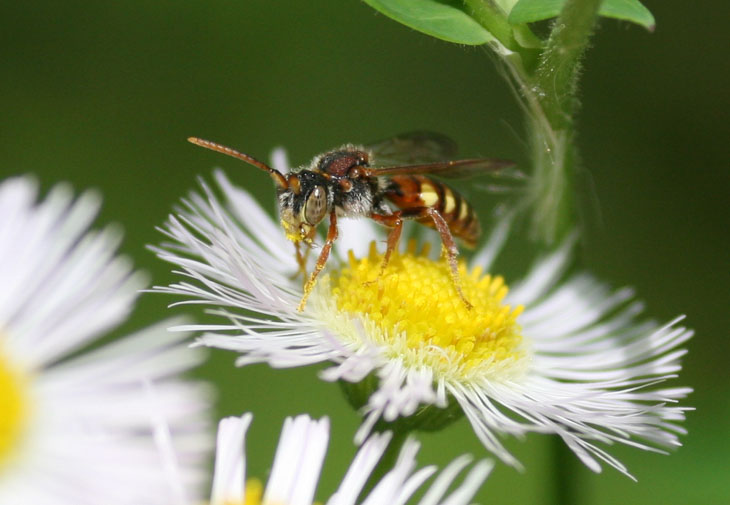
(279, 179)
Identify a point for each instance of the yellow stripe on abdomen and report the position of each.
(428, 194)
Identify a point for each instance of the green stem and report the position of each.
(549, 100)
(557, 73)
(550, 192)
(494, 20)
(564, 471)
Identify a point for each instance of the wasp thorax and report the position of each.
(340, 163)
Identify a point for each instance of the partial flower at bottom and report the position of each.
(298, 463)
(80, 426)
(557, 354)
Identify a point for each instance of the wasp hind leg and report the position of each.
(449, 247)
(395, 221)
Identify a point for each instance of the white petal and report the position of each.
(472, 483)
(543, 276)
(298, 461)
(355, 235)
(396, 485)
(113, 425)
(444, 480)
(280, 160)
(229, 475)
(486, 255)
(360, 469)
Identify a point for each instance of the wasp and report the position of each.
(389, 182)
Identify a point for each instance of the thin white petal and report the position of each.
(444, 480)
(229, 475)
(362, 466)
(116, 424)
(485, 257)
(472, 483)
(543, 276)
(298, 461)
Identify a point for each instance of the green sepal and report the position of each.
(426, 417)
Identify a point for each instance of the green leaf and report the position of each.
(628, 10)
(529, 11)
(443, 19)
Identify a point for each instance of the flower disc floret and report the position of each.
(416, 313)
(13, 405)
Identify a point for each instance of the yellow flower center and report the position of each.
(13, 406)
(414, 313)
(254, 492)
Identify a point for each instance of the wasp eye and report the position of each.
(316, 206)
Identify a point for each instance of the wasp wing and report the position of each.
(455, 169)
(425, 152)
(412, 148)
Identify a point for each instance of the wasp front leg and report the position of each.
(321, 260)
(301, 262)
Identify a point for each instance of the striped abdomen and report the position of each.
(413, 191)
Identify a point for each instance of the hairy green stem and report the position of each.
(550, 104)
(546, 81)
(557, 73)
(551, 191)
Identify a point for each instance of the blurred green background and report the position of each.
(103, 94)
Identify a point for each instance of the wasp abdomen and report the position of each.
(414, 191)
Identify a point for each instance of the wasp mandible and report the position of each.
(360, 181)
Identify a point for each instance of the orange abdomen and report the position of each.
(414, 191)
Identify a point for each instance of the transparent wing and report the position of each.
(413, 148)
(424, 152)
(455, 169)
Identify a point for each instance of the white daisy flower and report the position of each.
(557, 354)
(298, 463)
(78, 426)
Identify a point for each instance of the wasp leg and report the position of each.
(451, 250)
(302, 262)
(395, 223)
(447, 239)
(321, 260)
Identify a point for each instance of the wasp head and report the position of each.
(303, 204)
